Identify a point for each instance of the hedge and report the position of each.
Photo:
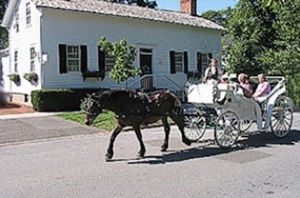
(59, 99)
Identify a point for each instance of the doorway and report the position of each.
(146, 82)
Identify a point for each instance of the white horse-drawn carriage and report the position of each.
(224, 107)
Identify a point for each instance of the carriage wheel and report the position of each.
(282, 117)
(245, 125)
(227, 129)
(195, 126)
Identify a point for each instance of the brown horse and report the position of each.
(136, 108)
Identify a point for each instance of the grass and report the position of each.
(105, 120)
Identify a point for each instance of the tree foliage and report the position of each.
(143, 3)
(219, 16)
(266, 38)
(124, 55)
(3, 31)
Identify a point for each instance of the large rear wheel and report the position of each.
(282, 117)
(227, 129)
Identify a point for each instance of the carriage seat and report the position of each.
(278, 86)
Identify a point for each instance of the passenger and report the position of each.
(263, 88)
(245, 84)
(211, 72)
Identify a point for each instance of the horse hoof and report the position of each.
(108, 156)
(163, 149)
(187, 142)
(141, 154)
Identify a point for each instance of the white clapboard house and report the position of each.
(57, 40)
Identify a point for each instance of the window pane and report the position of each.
(73, 58)
(109, 62)
(178, 61)
(28, 13)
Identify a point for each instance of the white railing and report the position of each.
(151, 82)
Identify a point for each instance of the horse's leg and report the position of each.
(179, 121)
(110, 150)
(165, 144)
(138, 133)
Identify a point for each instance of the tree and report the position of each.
(125, 56)
(266, 38)
(285, 57)
(3, 31)
(220, 17)
(251, 28)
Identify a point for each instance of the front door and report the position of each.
(146, 68)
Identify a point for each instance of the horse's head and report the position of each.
(93, 108)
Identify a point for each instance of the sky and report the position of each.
(202, 5)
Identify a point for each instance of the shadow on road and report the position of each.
(254, 140)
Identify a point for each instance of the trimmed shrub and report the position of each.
(59, 99)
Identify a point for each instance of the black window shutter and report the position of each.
(83, 61)
(185, 62)
(199, 62)
(101, 63)
(172, 62)
(62, 59)
(210, 56)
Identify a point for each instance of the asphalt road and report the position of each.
(50, 157)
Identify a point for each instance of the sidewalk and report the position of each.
(27, 115)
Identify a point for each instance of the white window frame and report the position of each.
(32, 58)
(28, 13)
(73, 68)
(109, 62)
(16, 61)
(17, 20)
(179, 61)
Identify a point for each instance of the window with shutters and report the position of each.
(73, 58)
(32, 59)
(178, 61)
(17, 20)
(28, 14)
(16, 61)
(109, 62)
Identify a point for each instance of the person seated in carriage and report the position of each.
(245, 84)
(263, 89)
(211, 72)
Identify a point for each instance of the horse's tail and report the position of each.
(178, 108)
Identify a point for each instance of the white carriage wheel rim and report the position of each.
(282, 125)
(223, 139)
(195, 133)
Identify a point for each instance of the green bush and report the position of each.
(59, 99)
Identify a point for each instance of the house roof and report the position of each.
(121, 10)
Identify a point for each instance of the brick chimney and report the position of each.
(188, 6)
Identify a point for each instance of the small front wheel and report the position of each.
(195, 126)
(227, 129)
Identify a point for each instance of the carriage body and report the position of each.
(234, 113)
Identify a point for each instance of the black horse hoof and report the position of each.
(108, 156)
(164, 148)
(187, 142)
(141, 154)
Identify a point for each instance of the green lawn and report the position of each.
(105, 120)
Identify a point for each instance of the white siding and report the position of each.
(28, 36)
(59, 27)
